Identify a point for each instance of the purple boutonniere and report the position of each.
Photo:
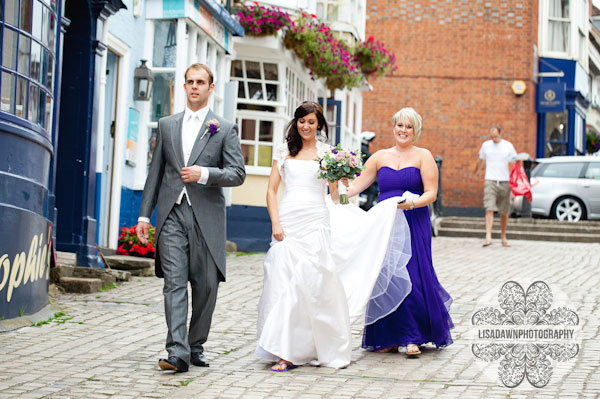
(212, 126)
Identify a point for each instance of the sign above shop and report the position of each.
(214, 19)
(550, 97)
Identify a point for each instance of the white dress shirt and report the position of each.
(191, 127)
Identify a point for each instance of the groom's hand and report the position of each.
(191, 174)
(142, 231)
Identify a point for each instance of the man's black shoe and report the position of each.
(173, 363)
(199, 360)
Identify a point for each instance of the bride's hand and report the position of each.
(278, 232)
(345, 181)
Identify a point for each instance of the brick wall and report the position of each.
(456, 62)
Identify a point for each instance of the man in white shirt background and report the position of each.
(497, 155)
(197, 153)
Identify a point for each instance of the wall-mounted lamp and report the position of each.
(143, 81)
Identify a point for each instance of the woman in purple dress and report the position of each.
(409, 171)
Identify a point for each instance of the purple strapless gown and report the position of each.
(423, 315)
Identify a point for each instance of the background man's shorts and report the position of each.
(496, 196)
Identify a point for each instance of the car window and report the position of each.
(593, 171)
(562, 169)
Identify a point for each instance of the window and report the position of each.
(327, 10)
(563, 170)
(257, 141)
(593, 171)
(165, 43)
(296, 91)
(27, 82)
(258, 81)
(556, 134)
(558, 26)
(163, 92)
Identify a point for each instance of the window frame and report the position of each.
(45, 83)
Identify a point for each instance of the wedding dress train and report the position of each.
(319, 278)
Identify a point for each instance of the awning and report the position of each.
(223, 16)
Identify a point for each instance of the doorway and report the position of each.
(108, 148)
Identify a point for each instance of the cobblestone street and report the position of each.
(110, 347)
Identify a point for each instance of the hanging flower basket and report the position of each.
(260, 21)
(374, 59)
(326, 56)
(592, 142)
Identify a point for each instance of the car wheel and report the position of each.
(568, 209)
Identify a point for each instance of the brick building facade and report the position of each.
(456, 63)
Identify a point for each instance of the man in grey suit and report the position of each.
(197, 153)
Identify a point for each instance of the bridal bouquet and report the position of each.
(338, 163)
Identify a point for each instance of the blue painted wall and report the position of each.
(249, 227)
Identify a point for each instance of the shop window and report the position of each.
(556, 134)
(163, 92)
(27, 65)
(165, 43)
(558, 25)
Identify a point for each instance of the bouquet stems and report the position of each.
(343, 193)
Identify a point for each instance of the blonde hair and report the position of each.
(411, 116)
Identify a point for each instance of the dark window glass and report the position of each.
(266, 131)
(21, 103)
(271, 71)
(271, 92)
(9, 49)
(37, 22)
(34, 99)
(241, 89)
(36, 60)
(24, 53)
(248, 129)
(563, 169)
(236, 69)
(44, 68)
(252, 70)
(11, 12)
(42, 108)
(255, 91)
(50, 70)
(7, 103)
(26, 15)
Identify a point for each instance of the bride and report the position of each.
(326, 261)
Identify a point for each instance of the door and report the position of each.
(110, 111)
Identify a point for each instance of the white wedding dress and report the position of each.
(319, 278)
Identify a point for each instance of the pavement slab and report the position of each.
(110, 346)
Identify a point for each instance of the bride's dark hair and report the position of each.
(294, 141)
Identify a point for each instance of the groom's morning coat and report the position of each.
(220, 154)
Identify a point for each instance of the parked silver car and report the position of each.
(565, 188)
